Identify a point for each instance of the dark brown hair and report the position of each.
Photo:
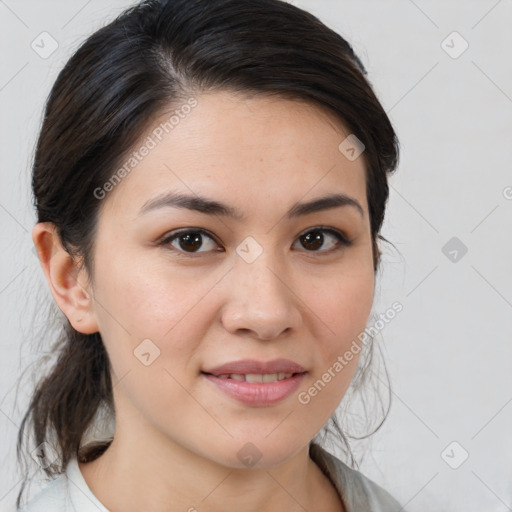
(152, 57)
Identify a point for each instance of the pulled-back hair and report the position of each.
(150, 59)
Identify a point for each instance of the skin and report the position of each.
(177, 435)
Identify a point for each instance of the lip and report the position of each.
(257, 393)
(245, 366)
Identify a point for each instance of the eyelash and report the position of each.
(342, 240)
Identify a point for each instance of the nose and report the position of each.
(261, 300)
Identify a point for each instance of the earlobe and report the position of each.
(68, 282)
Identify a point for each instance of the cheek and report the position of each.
(151, 330)
(341, 310)
(138, 314)
(343, 306)
(148, 301)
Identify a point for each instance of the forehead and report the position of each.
(248, 150)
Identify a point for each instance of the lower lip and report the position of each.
(257, 393)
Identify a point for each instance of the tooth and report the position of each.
(254, 377)
(281, 376)
(270, 377)
(223, 376)
(236, 376)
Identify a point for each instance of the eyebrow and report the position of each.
(212, 207)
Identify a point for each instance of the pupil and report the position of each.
(194, 241)
(314, 240)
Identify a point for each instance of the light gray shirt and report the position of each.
(70, 493)
(357, 492)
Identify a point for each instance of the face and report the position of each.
(182, 288)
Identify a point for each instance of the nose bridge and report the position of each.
(259, 299)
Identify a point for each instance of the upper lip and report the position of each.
(245, 366)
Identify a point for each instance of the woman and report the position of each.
(210, 182)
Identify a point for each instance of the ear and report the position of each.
(69, 284)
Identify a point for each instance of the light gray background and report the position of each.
(449, 351)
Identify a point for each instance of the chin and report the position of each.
(258, 454)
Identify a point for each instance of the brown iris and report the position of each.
(192, 241)
(312, 240)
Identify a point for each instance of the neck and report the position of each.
(145, 472)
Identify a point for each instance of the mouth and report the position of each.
(255, 383)
(254, 378)
(256, 389)
(277, 369)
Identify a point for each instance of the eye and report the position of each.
(330, 239)
(197, 240)
(190, 241)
